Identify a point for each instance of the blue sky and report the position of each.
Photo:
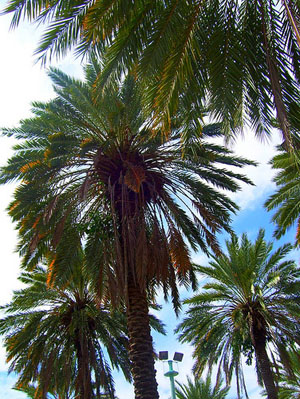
(21, 82)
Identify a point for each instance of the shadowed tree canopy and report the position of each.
(239, 58)
(96, 164)
(249, 305)
(286, 199)
(59, 338)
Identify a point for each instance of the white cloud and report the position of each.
(252, 148)
(6, 384)
(21, 82)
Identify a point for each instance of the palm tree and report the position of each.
(286, 199)
(55, 337)
(250, 304)
(200, 389)
(98, 165)
(246, 53)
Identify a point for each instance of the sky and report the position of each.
(23, 81)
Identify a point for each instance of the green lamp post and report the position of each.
(171, 373)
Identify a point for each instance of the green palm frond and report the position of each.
(250, 282)
(285, 201)
(239, 58)
(47, 330)
(200, 389)
(289, 378)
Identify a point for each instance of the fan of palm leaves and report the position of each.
(57, 338)
(285, 200)
(241, 58)
(200, 389)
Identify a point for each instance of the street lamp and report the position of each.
(163, 355)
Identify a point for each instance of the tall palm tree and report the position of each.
(249, 304)
(246, 53)
(200, 389)
(286, 199)
(97, 164)
(56, 338)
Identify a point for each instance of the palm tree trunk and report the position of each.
(258, 337)
(83, 380)
(140, 343)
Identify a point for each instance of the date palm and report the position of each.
(245, 53)
(56, 338)
(285, 200)
(200, 389)
(249, 304)
(97, 163)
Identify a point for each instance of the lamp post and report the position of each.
(171, 373)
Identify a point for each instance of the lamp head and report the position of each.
(178, 357)
(163, 355)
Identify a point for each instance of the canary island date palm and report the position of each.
(81, 159)
(200, 389)
(250, 304)
(285, 201)
(245, 53)
(57, 338)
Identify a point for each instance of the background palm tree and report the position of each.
(56, 337)
(200, 389)
(250, 304)
(285, 200)
(97, 165)
(245, 53)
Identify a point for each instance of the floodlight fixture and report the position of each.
(163, 355)
(171, 373)
(178, 357)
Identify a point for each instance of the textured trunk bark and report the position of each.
(140, 343)
(258, 338)
(83, 383)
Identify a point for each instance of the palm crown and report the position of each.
(250, 302)
(200, 389)
(86, 161)
(55, 337)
